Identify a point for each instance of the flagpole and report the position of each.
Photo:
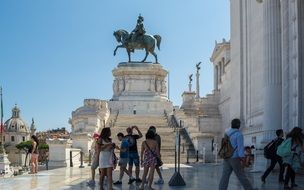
(1, 125)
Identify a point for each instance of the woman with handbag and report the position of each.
(149, 156)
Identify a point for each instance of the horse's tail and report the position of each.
(158, 40)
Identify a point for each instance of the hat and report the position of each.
(95, 135)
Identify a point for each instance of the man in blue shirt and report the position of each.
(123, 159)
(234, 163)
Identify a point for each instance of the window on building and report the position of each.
(12, 138)
(23, 138)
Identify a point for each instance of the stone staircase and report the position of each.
(201, 121)
(143, 122)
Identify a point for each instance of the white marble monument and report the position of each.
(86, 120)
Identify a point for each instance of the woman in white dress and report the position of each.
(106, 157)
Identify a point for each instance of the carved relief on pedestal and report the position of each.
(127, 85)
(158, 86)
(152, 85)
(116, 87)
(164, 87)
(121, 85)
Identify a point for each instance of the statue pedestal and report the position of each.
(140, 88)
(58, 152)
(4, 164)
(82, 142)
(188, 100)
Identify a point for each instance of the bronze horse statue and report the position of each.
(146, 42)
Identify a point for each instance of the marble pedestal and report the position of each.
(140, 88)
(4, 164)
(59, 153)
(203, 142)
(82, 142)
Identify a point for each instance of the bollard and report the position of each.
(187, 156)
(81, 160)
(204, 154)
(47, 164)
(197, 156)
(90, 158)
(71, 159)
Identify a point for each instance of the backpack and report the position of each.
(284, 149)
(226, 150)
(270, 150)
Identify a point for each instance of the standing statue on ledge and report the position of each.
(198, 67)
(190, 82)
(137, 40)
(197, 80)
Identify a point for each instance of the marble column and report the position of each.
(286, 94)
(197, 85)
(215, 78)
(300, 39)
(272, 69)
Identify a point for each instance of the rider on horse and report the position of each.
(139, 29)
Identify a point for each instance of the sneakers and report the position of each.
(117, 183)
(138, 180)
(294, 185)
(159, 182)
(91, 183)
(131, 180)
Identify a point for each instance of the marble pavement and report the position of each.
(197, 176)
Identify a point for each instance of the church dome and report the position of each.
(15, 123)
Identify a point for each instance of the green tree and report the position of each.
(43, 146)
(27, 147)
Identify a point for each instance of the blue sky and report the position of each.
(55, 53)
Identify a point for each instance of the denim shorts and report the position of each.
(123, 162)
(133, 158)
(95, 164)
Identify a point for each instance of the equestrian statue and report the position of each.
(137, 39)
